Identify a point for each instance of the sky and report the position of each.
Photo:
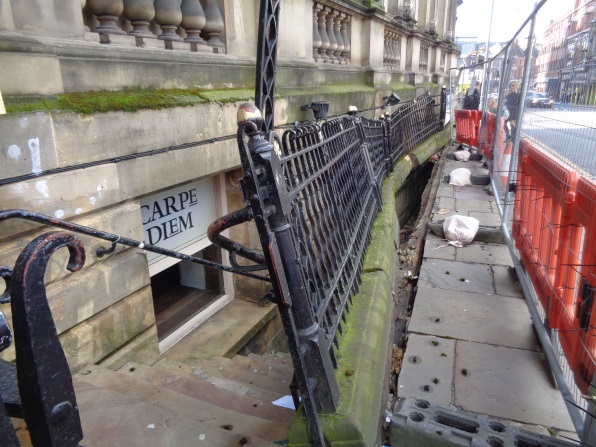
(474, 18)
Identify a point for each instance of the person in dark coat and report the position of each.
(472, 100)
(512, 103)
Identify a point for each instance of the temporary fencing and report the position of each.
(542, 165)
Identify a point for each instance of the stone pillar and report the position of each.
(338, 38)
(345, 34)
(107, 13)
(373, 34)
(139, 13)
(403, 52)
(6, 20)
(214, 25)
(316, 37)
(295, 30)
(193, 21)
(413, 54)
(168, 16)
(49, 18)
(330, 35)
(386, 55)
(323, 33)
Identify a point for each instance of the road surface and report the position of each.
(569, 133)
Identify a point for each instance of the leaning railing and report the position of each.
(313, 194)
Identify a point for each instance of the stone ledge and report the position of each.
(362, 365)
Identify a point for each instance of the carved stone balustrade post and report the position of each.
(337, 32)
(316, 37)
(331, 36)
(386, 54)
(168, 16)
(345, 24)
(139, 13)
(323, 33)
(107, 12)
(193, 21)
(392, 49)
(214, 26)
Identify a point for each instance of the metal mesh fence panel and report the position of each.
(535, 125)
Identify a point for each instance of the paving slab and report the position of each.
(506, 282)
(438, 248)
(445, 190)
(460, 315)
(483, 253)
(454, 275)
(508, 383)
(427, 369)
(486, 219)
(445, 203)
(474, 192)
(469, 205)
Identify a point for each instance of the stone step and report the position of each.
(110, 418)
(225, 333)
(192, 386)
(227, 369)
(181, 405)
(254, 365)
(280, 361)
(239, 388)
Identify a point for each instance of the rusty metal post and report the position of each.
(45, 383)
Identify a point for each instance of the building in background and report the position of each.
(566, 64)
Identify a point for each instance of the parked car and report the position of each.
(537, 99)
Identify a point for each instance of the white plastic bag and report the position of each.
(461, 155)
(460, 230)
(460, 177)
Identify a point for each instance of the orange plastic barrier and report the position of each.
(576, 279)
(466, 126)
(488, 134)
(554, 229)
(542, 215)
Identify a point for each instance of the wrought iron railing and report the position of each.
(313, 194)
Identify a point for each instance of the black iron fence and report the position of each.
(313, 194)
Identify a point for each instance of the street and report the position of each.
(569, 133)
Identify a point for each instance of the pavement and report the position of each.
(471, 347)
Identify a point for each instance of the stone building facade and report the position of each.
(72, 150)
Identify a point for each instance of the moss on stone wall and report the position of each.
(89, 103)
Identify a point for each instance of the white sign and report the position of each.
(179, 217)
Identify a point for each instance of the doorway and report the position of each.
(185, 289)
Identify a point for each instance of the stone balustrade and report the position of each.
(171, 24)
(331, 35)
(423, 61)
(336, 38)
(392, 50)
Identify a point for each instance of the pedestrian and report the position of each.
(565, 98)
(472, 100)
(512, 103)
(492, 105)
